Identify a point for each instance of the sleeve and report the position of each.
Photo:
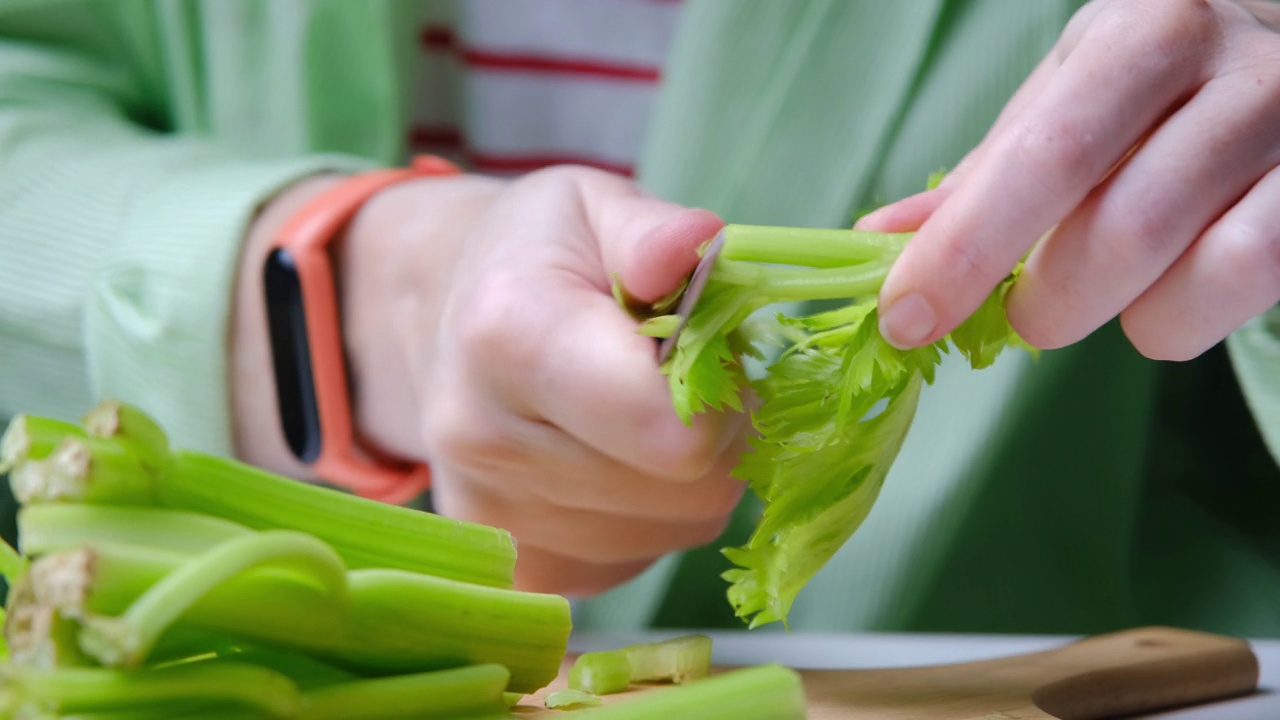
(1255, 354)
(118, 246)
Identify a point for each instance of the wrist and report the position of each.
(395, 267)
(255, 410)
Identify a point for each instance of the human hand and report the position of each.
(483, 339)
(1146, 146)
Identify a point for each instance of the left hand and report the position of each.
(1145, 150)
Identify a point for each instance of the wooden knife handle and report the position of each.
(1146, 670)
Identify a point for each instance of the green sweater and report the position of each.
(1088, 490)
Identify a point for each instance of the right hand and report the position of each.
(484, 340)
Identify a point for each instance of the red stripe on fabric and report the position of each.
(436, 135)
(527, 163)
(438, 37)
(488, 60)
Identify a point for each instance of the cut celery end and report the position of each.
(31, 437)
(601, 673)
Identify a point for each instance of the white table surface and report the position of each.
(820, 651)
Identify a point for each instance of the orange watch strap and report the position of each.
(306, 237)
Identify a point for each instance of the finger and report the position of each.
(905, 215)
(650, 243)
(580, 535)
(909, 213)
(1229, 276)
(512, 454)
(1133, 227)
(1097, 106)
(598, 382)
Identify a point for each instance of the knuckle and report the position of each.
(1057, 149)
(498, 328)
(965, 258)
(1143, 231)
(1247, 250)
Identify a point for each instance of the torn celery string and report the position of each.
(54, 462)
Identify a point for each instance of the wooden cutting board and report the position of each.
(1131, 672)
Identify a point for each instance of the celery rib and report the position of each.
(364, 532)
(46, 528)
(73, 690)
(445, 693)
(127, 639)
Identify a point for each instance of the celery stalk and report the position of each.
(766, 692)
(47, 528)
(126, 640)
(366, 533)
(401, 622)
(73, 690)
(122, 462)
(809, 247)
(396, 622)
(444, 693)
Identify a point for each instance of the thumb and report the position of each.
(651, 244)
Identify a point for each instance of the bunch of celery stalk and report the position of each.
(155, 582)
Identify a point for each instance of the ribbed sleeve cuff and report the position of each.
(158, 310)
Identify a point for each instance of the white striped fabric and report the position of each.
(508, 88)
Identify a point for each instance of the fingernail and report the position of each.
(908, 322)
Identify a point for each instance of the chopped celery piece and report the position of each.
(601, 673)
(765, 692)
(677, 660)
(569, 698)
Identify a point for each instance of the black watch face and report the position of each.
(291, 356)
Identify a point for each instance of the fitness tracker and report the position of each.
(306, 341)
